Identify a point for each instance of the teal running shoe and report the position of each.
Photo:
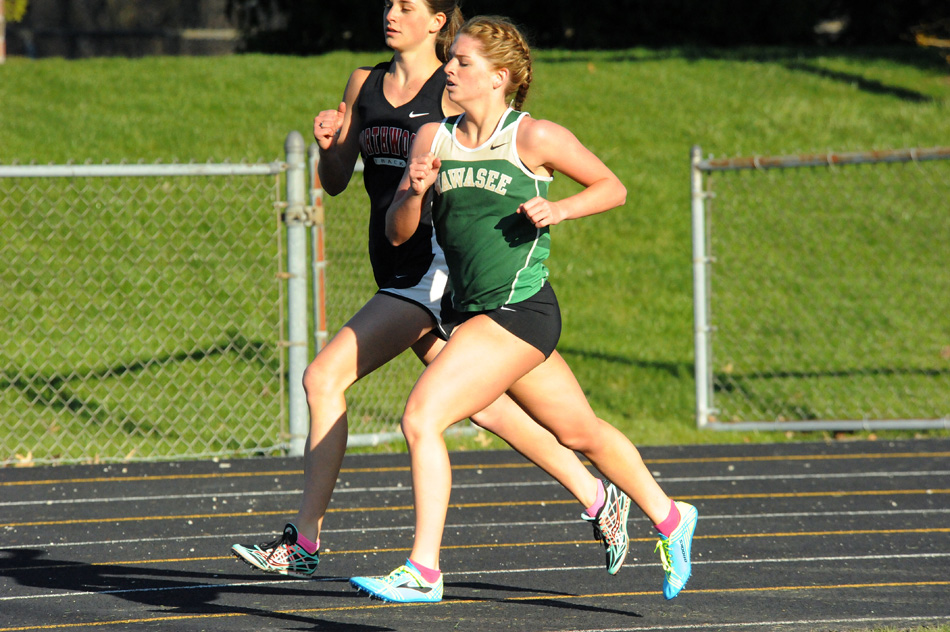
(403, 585)
(675, 551)
(283, 556)
(610, 526)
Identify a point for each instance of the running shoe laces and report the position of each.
(610, 526)
(283, 555)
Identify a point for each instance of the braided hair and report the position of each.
(504, 46)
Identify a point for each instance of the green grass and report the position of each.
(939, 628)
(820, 302)
(106, 353)
(623, 278)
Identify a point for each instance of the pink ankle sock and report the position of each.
(599, 502)
(308, 545)
(429, 574)
(671, 522)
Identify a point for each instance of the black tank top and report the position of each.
(386, 135)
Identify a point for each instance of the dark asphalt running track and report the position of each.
(814, 536)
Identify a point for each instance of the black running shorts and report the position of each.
(536, 320)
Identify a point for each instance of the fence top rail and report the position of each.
(142, 170)
(824, 160)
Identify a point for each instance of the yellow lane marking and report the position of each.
(456, 602)
(497, 466)
(504, 545)
(865, 492)
(525, 503)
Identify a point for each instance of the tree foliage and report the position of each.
(309, 26)
(14, 10)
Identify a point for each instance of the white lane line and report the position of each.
(408, 488)
(453, 576)
(262, 535)
(92, 593)
(811, 623)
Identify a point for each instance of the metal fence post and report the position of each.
(297, 343)
(700, 307)
(318, 249)
(3, 35)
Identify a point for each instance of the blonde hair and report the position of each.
(504, 46)
(453, 22)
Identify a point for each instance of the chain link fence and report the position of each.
(144, 311)
(141, 312)
(823, 291)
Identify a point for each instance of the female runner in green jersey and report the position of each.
(482, 176)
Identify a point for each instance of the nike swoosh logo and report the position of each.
(506, 309)
(417, 114)
(421, 589)
(494, 146)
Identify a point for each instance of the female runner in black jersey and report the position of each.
(382, 109)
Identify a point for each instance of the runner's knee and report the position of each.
(420, 421)
(490, 419)
(321, 382)
(582, 436)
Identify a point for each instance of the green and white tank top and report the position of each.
(495, 255)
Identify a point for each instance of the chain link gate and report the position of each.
(141, 312)
(822, 291)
